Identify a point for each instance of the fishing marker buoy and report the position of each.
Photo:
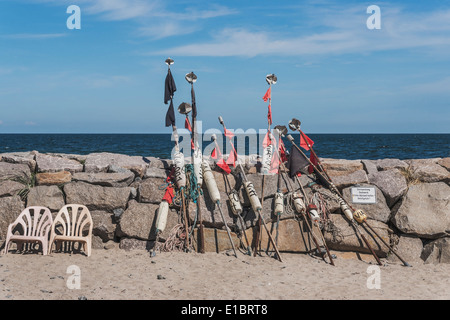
(298, 203)
(197, 157)
(180, 170)
(210, 182)
(267, 159)
(346, 209)
(279, 203)
(235, 204)
(251, 193)
(161, 221)
(360, 216)
(312, 209)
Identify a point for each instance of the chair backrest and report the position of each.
(35, 221)
(73, 219)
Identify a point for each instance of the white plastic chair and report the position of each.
(35, 222)
(73, 219)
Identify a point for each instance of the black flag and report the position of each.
(296, 162)
(169, 90)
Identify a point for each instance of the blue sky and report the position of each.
(334, 74)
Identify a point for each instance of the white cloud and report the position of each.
(343, 31)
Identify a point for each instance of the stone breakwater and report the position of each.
(411, 211)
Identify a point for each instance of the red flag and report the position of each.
(228, 134)
(187, 124)
(267, 141)
(216, 154)
(282, 150)
(303, 143)
(267, 96)
(168, 196)
(232, 157)
(314, 161)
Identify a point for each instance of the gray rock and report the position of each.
(437, 251)
(151, 190)
(425, 211)
(343, 237)
(15, 171)
(445, 162)
(10, 188)
(46, 196)
(428, 170)
(138, 221)
(97, 197)
(338, 167)
(101, 162)
(370, 166)
(159, 163)
(391, 182)
(121, 179)
(388, 164)
(103, 225)
(10, 208)
(153, 172)
(210, 211)
(47, 163)
(356, 177)
(409, 248)
(20, 157)
(377, 211)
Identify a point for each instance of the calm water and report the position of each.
(339, 146)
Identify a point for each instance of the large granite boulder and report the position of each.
(391, 182)
(437, 251)
(428, 170)
(150, 190)
(424, 211)
(388, 164)
(15, 171)
(53, 178)
(46, 196)
(409, 248)
(10, 188)
(97, 197)
(100, 162)
(119, 179)
(341, 235)
(346, 180)
(47, 163)
(341, 167)
(27, 158)
(10, 209)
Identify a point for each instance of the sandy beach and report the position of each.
(117, 274)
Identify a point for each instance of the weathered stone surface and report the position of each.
(251, 217)
(105, 179)
(10, 188)
(103, 225)
(149, 190)
(159, 163)
(391, 182)
(78, 157)
(370, 166)
(425, 211)
(97, 197)
(14, 171)
(216, 240)
(46, 196)
(339, 167)
(377, 211)
(427, 170)
(409, 248)
(356, 177)
(345, 238)
(154, 172)
(139, 220)
(293, 236)
(20, 157)
(437, 251)
(53, 178)
(388, 164)
(322, 193)
(100, 162)
(10, 209)
(47, 163)
(445, 162)
(129, 244)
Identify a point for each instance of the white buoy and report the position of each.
(251, 193)
(235, 204)
(197, 158)
(161, 220)
(279, 203)
(312, 209)
(267, 159)
(180, 170)
(298, 203)
(346, 209)
(211, 185)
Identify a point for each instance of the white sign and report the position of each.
(364, 195)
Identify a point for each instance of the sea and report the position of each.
(337, 146)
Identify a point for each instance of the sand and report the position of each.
(116, 274)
